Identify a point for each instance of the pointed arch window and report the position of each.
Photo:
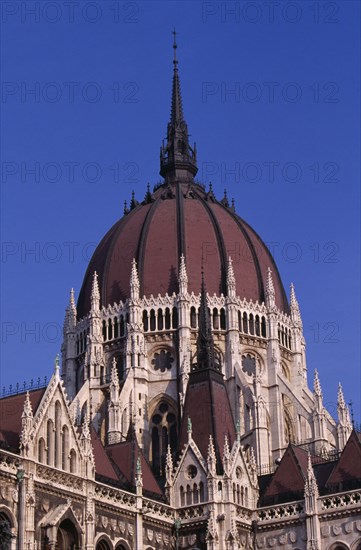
(164, 432)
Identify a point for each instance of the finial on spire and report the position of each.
(56, 364)
(175, 61)
(189, 427)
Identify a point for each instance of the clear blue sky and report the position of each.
(271, 96)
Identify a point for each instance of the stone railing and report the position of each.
(341, 501)
(280, 512)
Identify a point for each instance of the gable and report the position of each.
(288, 481)
(347, 470)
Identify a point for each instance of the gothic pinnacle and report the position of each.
(134, 281)
(231, 281)
(27, 411)
(317, 384)
(270, 289)
(95, 294)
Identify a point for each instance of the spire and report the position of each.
(95, 295)
(270, 289)
(138, 476)
(311, 488)
(205, 343)
(183, 277)
(231, 281)
(211, 457)
(26, 424)
(343, 414)
(189, 428)
(134, 281)
(295, 308)
(27, 411)
(56, 366)
(317, 385)
(177, 158)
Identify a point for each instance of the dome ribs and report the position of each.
(180, 225)
(252, 250)
(221, 245)
(142, 243)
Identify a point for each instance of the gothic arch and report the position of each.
(356, 545)
(103, 542)
(67, 535)
(163, 430)
(8, 517)
(339, 545)
(122, 545)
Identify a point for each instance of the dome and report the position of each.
(180, 219)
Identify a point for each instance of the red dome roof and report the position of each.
(177, 219)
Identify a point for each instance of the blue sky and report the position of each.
(271, 96)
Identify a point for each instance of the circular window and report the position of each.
(163, 407)
(156, 419)
(238, 472)
(162, 361)
(191, 472)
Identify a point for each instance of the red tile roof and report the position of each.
(207, 405)
(156, 234)
(11, 409)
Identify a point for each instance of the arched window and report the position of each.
(50, 442)
(57, 434)
(193, 317)
(110, 330)
(160, 319)
(65, 448)
(174, 318)
(116, 327)
(181, 493)
(201, 491)
(195, 493)
(152, 320)
(145, 320)
(167, 318)
(263, 327)
(240, 321)
(223, 319)
(251, 324)
(245, 323)
(104, 330)
(121, 326)
(164, 431)
(72, 461)
(41, 451)
(215, 319)
(258, 326)
(189, 495)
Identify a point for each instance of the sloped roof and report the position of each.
(11, 409)
(208, 407)
(288, 481)
(347, 469)
(124, 456)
